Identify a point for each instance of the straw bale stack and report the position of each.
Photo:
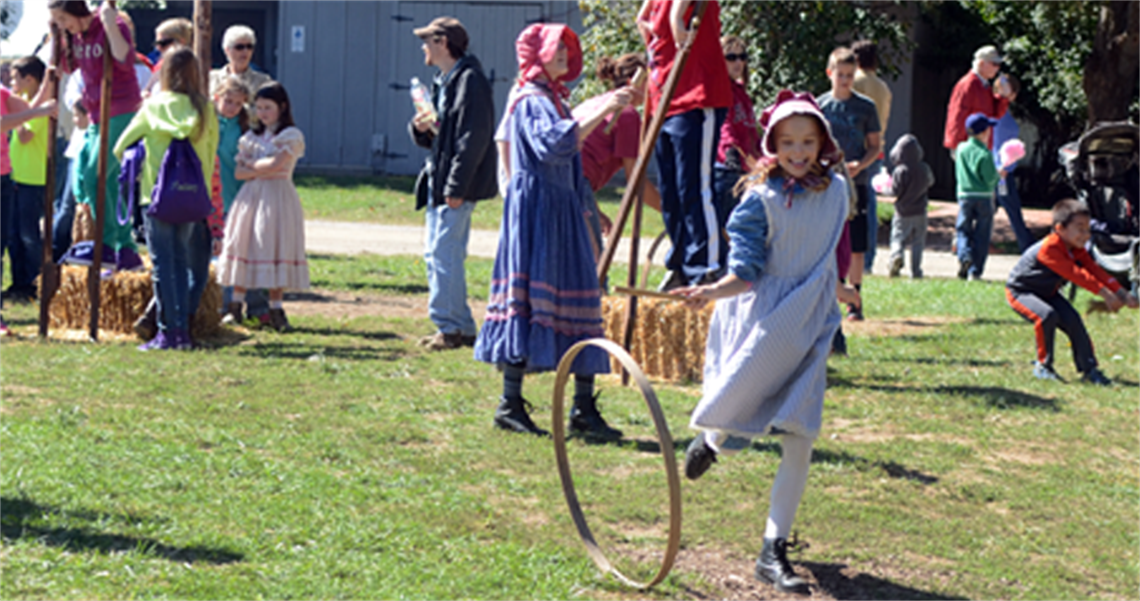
(123, 298)
(668, 340)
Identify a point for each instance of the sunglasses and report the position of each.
(242, 47)
(743, 56)
(163, 43)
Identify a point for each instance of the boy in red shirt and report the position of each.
(686, 147)
(1034, 284)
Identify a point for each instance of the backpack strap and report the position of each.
(131, 168)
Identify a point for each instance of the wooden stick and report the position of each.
(49, 272)
(101, 179)
(647, 145)
(636, 292)
(637, 81)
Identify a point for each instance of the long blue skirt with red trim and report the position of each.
(545, 295)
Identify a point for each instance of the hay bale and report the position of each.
(668, 340)
(123, 298)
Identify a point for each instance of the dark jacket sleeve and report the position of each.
(474, 129)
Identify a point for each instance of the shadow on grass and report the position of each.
(405, 184)
(377, 287)
(818, 455)
(286, 350)
(993, 396)
(343, 332)
(838, 585)
(946, 361)
(990, 321)
(20, 520)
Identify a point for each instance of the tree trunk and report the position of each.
(203, 32)
(1111, 72)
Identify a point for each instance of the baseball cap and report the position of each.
(988, 53)
(446, 26)
(979, 122)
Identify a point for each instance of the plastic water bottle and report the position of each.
(421, 98)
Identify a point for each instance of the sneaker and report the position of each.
(854, 313)
(162, 341)
(443, 342)
(128, 259)
(4, 331)
(19, 295)
(468, 340)
(81, 253)
(964, 268)
(512, 415)
(896, 267)
(1044, 372)
(233, 314)
(1095, 376)
(973, 277)
(699, 457)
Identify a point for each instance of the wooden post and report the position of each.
(99, 209)
(49, 272)
(203, 33)
(638, 177)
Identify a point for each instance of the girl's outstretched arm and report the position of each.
(726, 287)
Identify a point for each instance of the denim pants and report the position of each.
(445, 252)
(180, 253)
(872, 218)
(974, 228)
(25, 242)
(724, 180)
(63, 215)
(7, 205)
(1010, 200)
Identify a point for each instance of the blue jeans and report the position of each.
(63, 215)
(724, 180)
(180, 253)
(7, 204)
(1011, 202)
(25, 240)
(445, 252)
(872, 218)
(974, 227)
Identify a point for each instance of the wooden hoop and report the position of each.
(666, 441)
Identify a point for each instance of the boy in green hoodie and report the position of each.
(977, 180)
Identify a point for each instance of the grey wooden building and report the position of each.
(347, 64)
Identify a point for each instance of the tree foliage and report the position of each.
(789, 40)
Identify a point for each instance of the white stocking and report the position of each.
(788, 488)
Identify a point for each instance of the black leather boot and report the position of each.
(512, 415)
(772, 567)
(586, 419)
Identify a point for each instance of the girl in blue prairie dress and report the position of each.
(545, 295)
(769, 338)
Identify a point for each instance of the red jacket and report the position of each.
(971, 95)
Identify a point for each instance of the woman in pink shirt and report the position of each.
(89, 37)
(739, 146)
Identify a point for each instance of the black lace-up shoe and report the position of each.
(772, 567)
(699, 457)
(512, 415)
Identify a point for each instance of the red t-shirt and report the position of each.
(704, 82)
(739, 128)
(88, 50)
(602, 153)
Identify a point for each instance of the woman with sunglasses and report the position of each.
(739, 147)
(238, 43)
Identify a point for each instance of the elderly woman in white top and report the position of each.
(238, 43)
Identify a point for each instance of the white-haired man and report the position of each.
(975, 93)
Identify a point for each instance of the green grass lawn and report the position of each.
(342, 461)
(390, 200)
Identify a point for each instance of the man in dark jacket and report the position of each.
(459, 172)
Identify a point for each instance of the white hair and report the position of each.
(237, 33)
